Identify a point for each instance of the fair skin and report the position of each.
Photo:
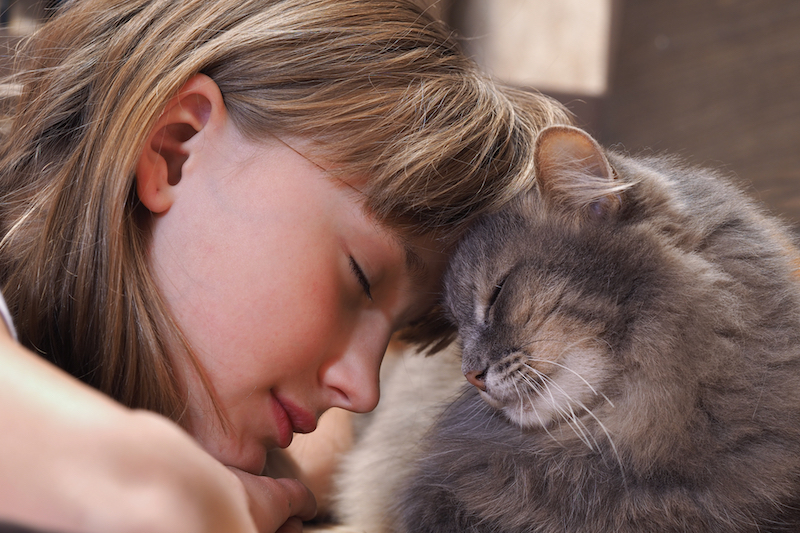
(313, 458)
(77, 461)
(286, 288)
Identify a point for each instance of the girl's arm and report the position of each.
(71, 459)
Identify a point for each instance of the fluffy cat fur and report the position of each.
(414, 390)
(632, 329)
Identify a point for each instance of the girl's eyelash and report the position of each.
(362, 279)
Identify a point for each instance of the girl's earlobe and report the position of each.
(160, 167)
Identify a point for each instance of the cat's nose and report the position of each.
(476, 377)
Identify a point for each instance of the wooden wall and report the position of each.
(716, 81)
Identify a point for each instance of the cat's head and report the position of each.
(542, 291)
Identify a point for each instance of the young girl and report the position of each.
(218, 212)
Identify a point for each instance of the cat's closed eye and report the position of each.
(498, 287)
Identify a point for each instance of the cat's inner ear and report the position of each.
(573, 172)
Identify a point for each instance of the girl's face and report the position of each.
(286, 289)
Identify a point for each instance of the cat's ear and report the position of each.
(573, 172)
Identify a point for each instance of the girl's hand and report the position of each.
(278, 505)
(74, 460)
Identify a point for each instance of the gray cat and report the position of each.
(632, 332)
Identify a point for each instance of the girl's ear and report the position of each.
(573, 172)
(196, 107)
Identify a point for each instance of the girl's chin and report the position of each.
(250, 457)
(254, 462)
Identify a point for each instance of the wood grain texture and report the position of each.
(715, 81)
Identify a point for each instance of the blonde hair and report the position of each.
(378, 84)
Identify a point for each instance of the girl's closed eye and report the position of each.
(361, 277)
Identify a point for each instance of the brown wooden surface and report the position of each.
(716, 81)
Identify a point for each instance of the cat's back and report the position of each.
(720, 229)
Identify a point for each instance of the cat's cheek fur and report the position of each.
(569, 392)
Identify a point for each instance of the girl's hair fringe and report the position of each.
(379, 86)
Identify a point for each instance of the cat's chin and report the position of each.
(525, 416)
(540, 411)
(525, 419)
(498, 404)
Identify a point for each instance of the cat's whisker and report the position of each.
(521, 403)
(565, 367)
(577, 374)
(549, 392)
(579, 427)
(613, 446)
(574, 424)
(534, 385)
(538, 416)
(570, 417)
(599, 424)
(596, 446)
(476, 408)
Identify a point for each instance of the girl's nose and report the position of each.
(353, 375)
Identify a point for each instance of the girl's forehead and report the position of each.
(418, 249)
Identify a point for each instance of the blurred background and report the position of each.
(714, 81)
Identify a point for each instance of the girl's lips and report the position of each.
(291, 419)
(301, 421)
(283, 424)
